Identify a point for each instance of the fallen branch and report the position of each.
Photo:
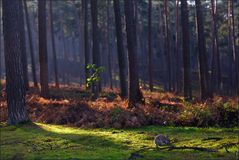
(193, 148)
(212, 138)
(227, 145)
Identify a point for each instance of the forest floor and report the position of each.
(45, 141)
(74, 106)
(70, 125)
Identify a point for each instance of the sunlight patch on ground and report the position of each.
(37, 141)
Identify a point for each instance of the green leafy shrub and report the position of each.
(203, 116)
(95, 77)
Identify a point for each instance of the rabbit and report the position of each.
(162, 140)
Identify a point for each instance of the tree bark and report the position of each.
(54, 48)
(235, 63)
(134, 92)
(187, 89)
(120, 50)
(23, 46)
(203, 62)
(0, 45)
(15, 86)
(86, 41)
(43, 48)
(150, 67)
(34, 77)
(216, 71)
(167, 47)
(109, 44)
(96, 56)
(177, 49)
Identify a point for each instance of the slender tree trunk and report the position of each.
(96, 56)
(231, 59)
(135, 21)
(23, 46)
(15, 86)
(167, 49)
(54, 48)
(150, 68)
(203, 63)
(216, 71)
(120, 49)
(109, 44)
(134, 92)
(186, 50)
(34, 77)
(64, 42)
(86, 41)
(177, 49)
(0, 45)
(235, 69)
(43, 48)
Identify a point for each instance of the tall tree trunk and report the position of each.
(120, 49)
(54, 48)
(64, 42)
(34, 77)
(109, 44)
(216, 71)
(15, 86)
(235, 51)
(150, 67)
(203, 62)
(86, 41)
(167, 47)
(96, 56)
(235, 64)
(23, 46)
(135, 21)
(43, 48)
(177, 49)
(0, 45)
(134, 92)
(186, 50)
(231, 59)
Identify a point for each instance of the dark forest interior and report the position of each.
(119, 79)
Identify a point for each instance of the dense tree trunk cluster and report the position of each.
(203, 61)
(29, 31)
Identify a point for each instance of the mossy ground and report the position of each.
(41, 141)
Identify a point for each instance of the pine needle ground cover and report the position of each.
(45, 141)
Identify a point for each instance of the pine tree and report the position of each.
(15, 85)
(120, 49)
(43, 48)
(186, 50)
(135, 95)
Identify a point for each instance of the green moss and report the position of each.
(41, 141)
